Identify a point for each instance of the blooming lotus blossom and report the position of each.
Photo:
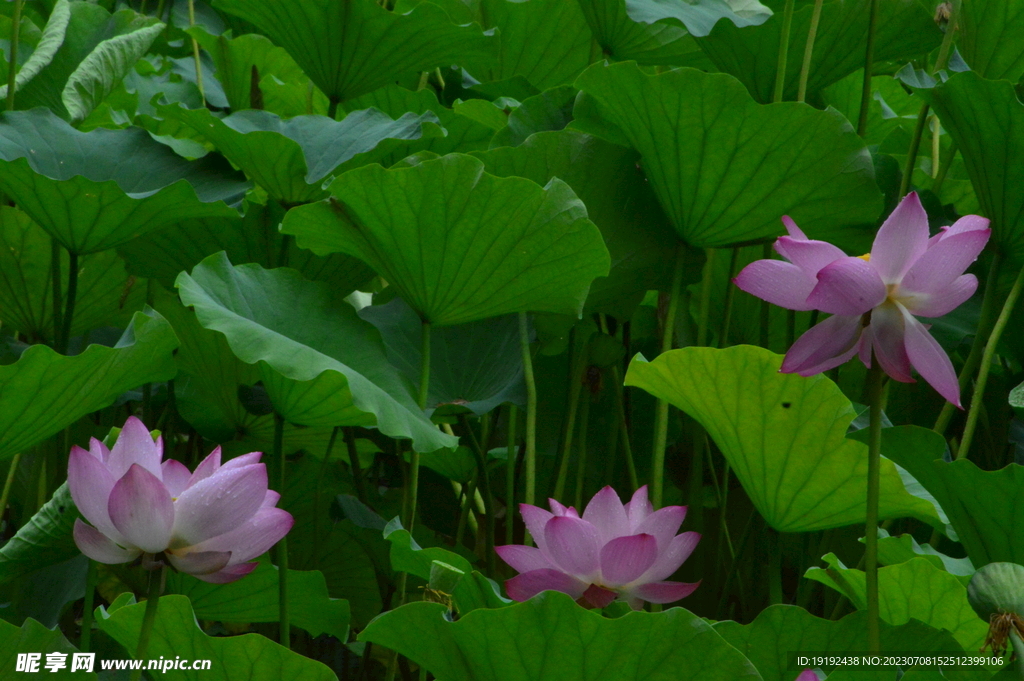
(614, 552)
(873, 298)
(208, 523)
(807, 675)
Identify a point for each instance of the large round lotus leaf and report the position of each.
(547, 42)
(95, 190)
(784, 436)
(989, 38)
(986, 120)
(175, 629)
(458, 244)
(698, 16)
(997, 588)
(905, 30)
(475, 366)
(321, 363)
(32, 636)
(725, 168)
(620, 202)
(107, 295)
(986, 508)
(915, 590)
(551, 637)
(351, 47)
(44, 392)
(290, 158)
(779, 629)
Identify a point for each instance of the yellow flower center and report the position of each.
(866, 257)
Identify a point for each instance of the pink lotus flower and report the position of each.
(207, 523)
(873, 298)
(807, 675)
(614, 551)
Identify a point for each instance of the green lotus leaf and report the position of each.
(997, 588)
(986, 508)
(550, 636)
(784, 436)
(98, 50)
(986, 120)
(912, 590)
(457, 354)
(49, 42)
(459, 244)
(236, 58)
(619, 201)
(34, 637)
(550, 110)
(107, 295)
(623, 38)
(905, 30)
(463, 134)
(44, 540)
(176, 633)
(321, 363)
(701, 16)
(546, 42)
(255, 599)
(290, 158)
(44, 392)
(85, 188)
(989, 38)
(351, 47)
(254, 237)
(780, 629)
(895, 550)
(725, 168)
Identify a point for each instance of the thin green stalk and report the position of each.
(947, 161)
(577, 362)
(782, 65)
(85, 640)
(485, 486)
(56, 288)
(332, 108)
(805, 67)
(424, 365)
(69, 305)
(9, 483)
(731, 572)
(156, 578)
(620, 408)
(282, 546)
(353, 462)
(705, 298)
(985, 321)
(947, 40)
(986, 364)
(730, 291)
(775, 595)
(510, 473)
(413, 481)
(465, 509)
(195, 51)
(12, 72)
(875, 383)
(531, 417)
(661, 416)
(915, 145)
(869, 62)
(581, 466)
(316, 496)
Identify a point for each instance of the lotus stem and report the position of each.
(282, 546)
(947, 161)
(156, 578)
(661, 416)
(915, 145)
(55, 284)
(730, 291)
(69, 305)
(485, 486)
(9, 483)
(353, 461)
(869, 61)
(511, 459)
(620, 408)
(986, 364)
(531, 417)
(316, 495)
(581, 466)
(195, 51)
(12, 72)
(875, 382)
(578, 359)
(780, 70)
(85, 640)
(805, 67)
(775, 595)
(705, 298)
